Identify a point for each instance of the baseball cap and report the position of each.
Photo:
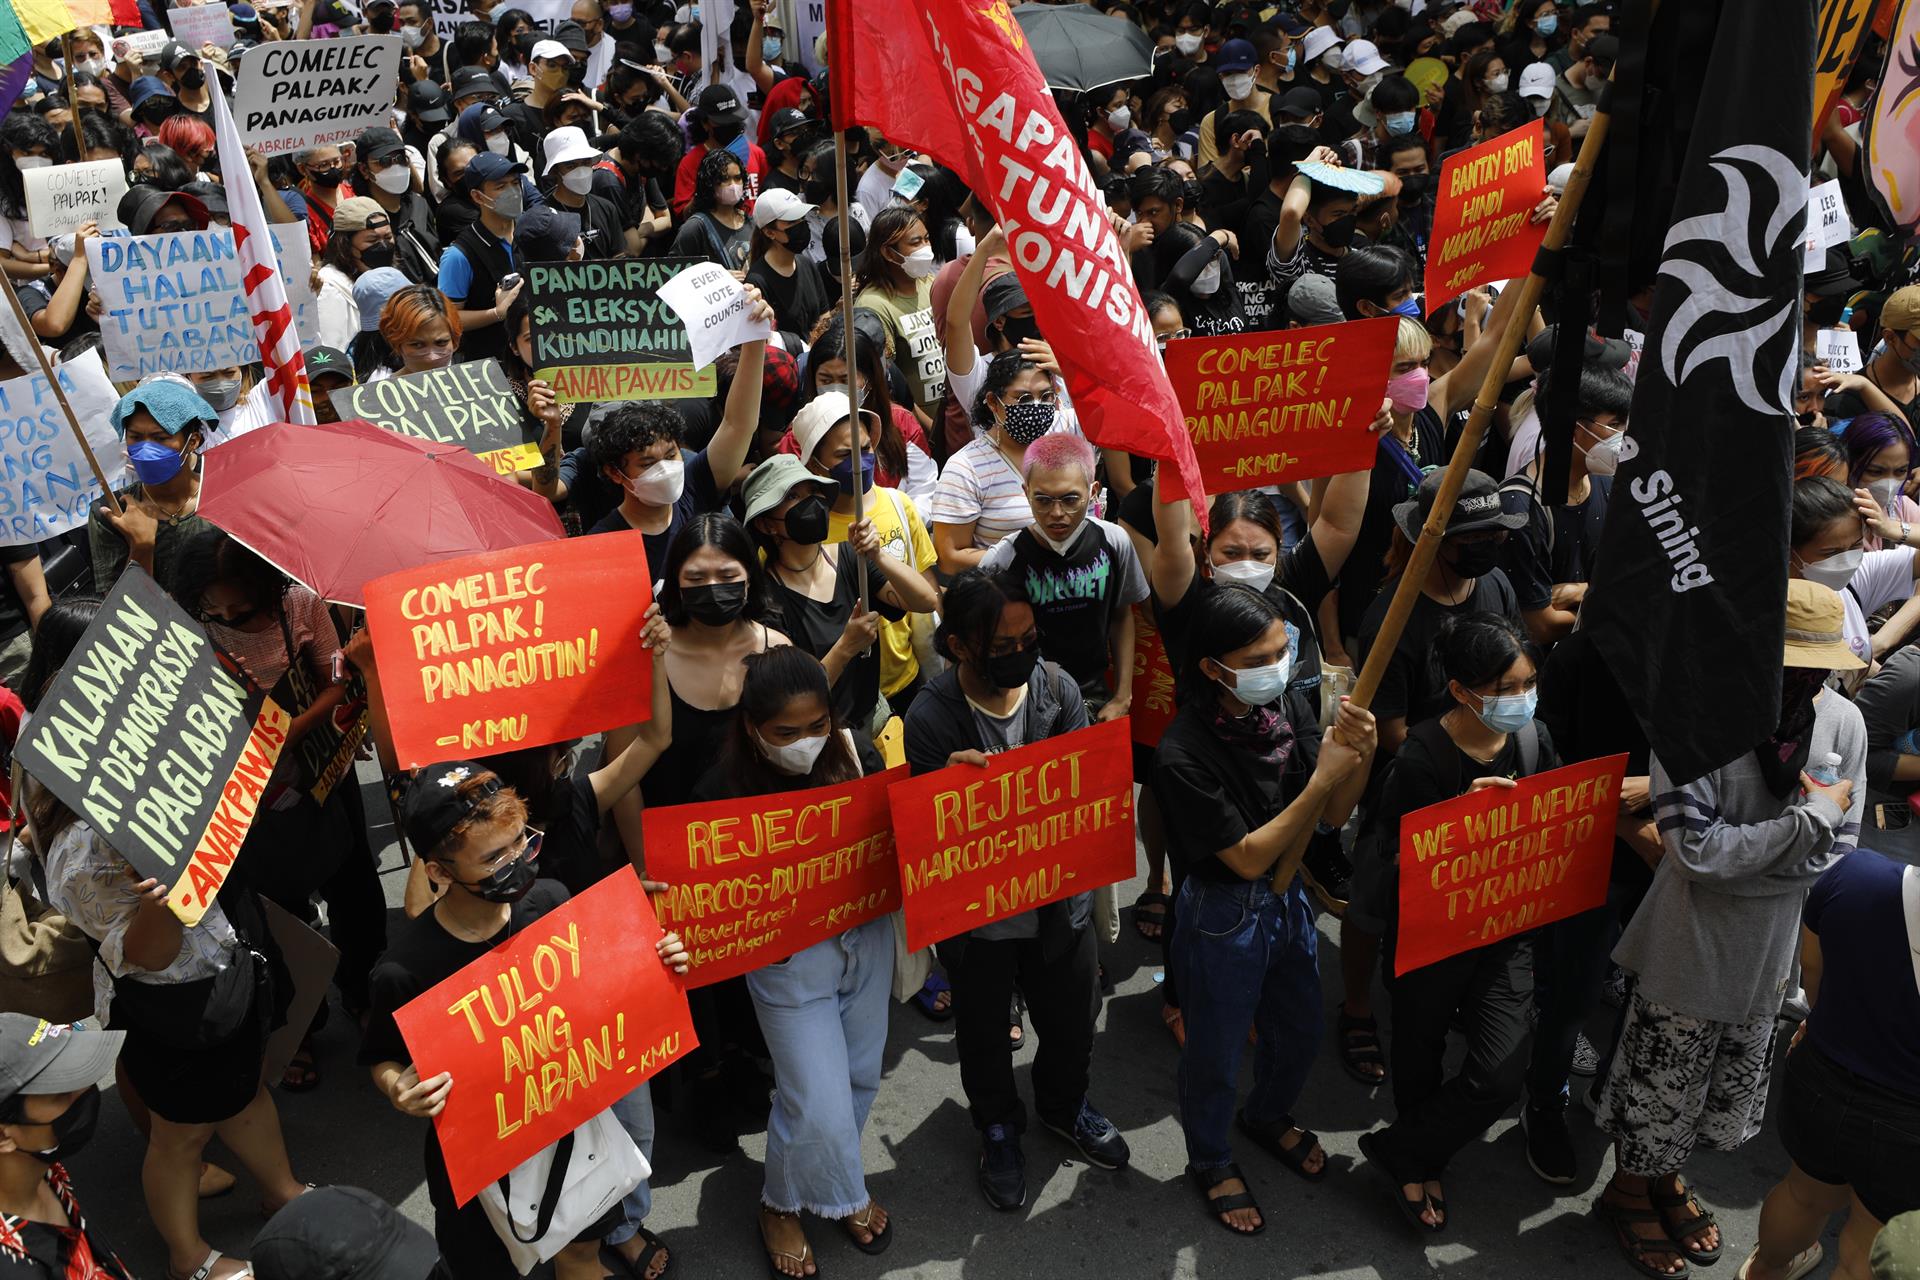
(354, 214)
(1602, 353)
(468, 81)
(377, 143)
(342, 1233)
(549, 51)
(322, 361)
(429, 102)
(144, 87)
(1312, 300)
(1604, 48)
(433, 805)
(1536, 81)
(37, 1056)
(572, 37)
(568, 145)
(371, 291)
(1291, 24)
(1901, 310)
(1317, 42)
(1363, 58)
(770, 482)
(776, 205)
(141, 205)
(822, 414)
(719, 103)
(545, 233)
(787, 119)
(1299, 104)
(173, 55)
(487, 167)
(1235, 55)
(1002, 294)
(1477, 507)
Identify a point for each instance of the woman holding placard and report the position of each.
(823, 1010)
(1488, 738)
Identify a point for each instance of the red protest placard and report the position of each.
(1038, 824)
(1152, 681)
(1482, 220)
(1493, 863)
(547, 1030)
(1265, 408)
(753, 881)
(513, 648)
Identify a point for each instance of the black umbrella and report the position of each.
(1079, 49)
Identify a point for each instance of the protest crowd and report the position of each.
(796, 503)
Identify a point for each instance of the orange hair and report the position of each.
(411, 309)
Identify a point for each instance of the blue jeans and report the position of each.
(824, 1015)
(635, 1114)
(1243, 956)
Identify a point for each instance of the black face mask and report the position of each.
(1019, 328)
(721, 134)
(1414, 186)
(1339, 233)
(330, 178)
(1012, 670)
(72, 1128)
(381, 22)
(716, 604)
(377, 255)
(799, 236)
(193, 77)
(807, 520)
(819, 190)
(1473, 559)
(1181, 121)
(507, 884)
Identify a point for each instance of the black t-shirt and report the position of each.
(1413, 685)
(1850, 404)
(817, 625)
(797, 300)
(1300, 568)
(1581, 701)
(635, 197)
(601, 215)
(569, 822)
(1222, 790)
(1395, 477)
(1537, 558)
(697, 494)
(1075, 599)
(1262, 299)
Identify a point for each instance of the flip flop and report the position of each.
(864, 1221)
(1150, 909)
(1409, 1209)
(929, 993)
(1803, 1264)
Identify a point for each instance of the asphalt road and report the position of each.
(921, 1155)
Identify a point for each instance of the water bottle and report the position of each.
(1827, 772)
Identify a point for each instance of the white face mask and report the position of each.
(1239, 87)
(660, 484)
(728, 194)
(1334, 58)
(1187, 42)
(413, 37)
(919, 264)
(578, 181)
(1257, 574)
(1119, 118)
(1835, 572)
(1207, 283)
(31, 162)
(1060, 547)
(1603, 459)
(90, 66)
(795, 757)
(499, 143)
(1498, 84)
(1885, 492)
(963, 241)
(394, 179)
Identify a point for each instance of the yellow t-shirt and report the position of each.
(904, 537)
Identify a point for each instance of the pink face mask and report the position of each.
(1408, 391)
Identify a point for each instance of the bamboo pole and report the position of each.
(60, 394)
(846, 330)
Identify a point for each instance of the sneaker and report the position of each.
(1586, 1058)
(1003, 1169)
(1549, 1144)
(1329, 873)
(1099, 1142)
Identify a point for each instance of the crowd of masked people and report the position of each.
(904, 525)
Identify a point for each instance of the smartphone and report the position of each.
(510, 280)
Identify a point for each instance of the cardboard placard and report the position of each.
(63, 197)
(296, 94)
(144, 44)
(46, 486)
(713, 307)
(469, 403)
(1494, 863)
(1153, 704)
(1839, 350)
(176, 303)
(1267, 408)
(753, 881)
(1827, 222)
(149, 739)
(601, 332)
(513, 648)
(311, 961)
(1038, 824)
(201, 24)
(1482, 219)
(547, 1030)
(327, 752)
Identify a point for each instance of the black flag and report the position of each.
(1689, 594)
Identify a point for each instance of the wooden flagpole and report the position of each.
(846, 330)
(60, 394)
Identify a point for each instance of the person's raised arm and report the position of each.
(727, 451)
(1171, 570)
(621, 773)
(1454, 390)
(276, 208)
(958, 334)
(756, 64)
(1342, 502)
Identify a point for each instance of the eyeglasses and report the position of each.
(1066, 502)
(528, 848)
(1036, 397)
(164, 228)
(1162, 339)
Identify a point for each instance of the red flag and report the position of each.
(958, 82)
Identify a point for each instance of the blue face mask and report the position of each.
(1400, 123)
(1408, 306)
(1509, 714)
(1547, 25)
(155, 463)
(1292, 57)
(1258, 686)
(769, 47)
(843, 472)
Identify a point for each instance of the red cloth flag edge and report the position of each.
(922, 81)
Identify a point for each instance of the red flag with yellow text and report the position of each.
(956, 80)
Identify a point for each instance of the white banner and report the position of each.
(202, 24)
(61, 197)
(295, 94)
(46, 486)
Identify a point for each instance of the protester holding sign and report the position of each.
(999, 695)
(1246, 780)
(165, 426)
(823, 1011)
(1712, 946)
(194, 1009)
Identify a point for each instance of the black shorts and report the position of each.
(197, 1086)
(1842, 1129)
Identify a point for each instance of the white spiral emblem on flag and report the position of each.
(1731, 283)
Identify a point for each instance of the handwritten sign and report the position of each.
(1482, 221)
(513, 648)
(1038, 824)
(149, 739)
(1827, 222)
(201, 24)
(547, 1030)
(1839, 350)
(46, 486)
(469, 404)
(753, 881)
(1265, 408)
(713, 306)
(141, 44)
(601, 331)
(326, 753)
(175, 303)
(1153, 705)
(296, 94)
(63, 197)
(1494, 863)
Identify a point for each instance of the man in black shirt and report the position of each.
(568, 183)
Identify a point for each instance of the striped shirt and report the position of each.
(979, 486)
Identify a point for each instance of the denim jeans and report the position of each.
(1243, 956)
(824, 1015)
(635, 1114)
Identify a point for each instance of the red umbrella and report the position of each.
(335, 506)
